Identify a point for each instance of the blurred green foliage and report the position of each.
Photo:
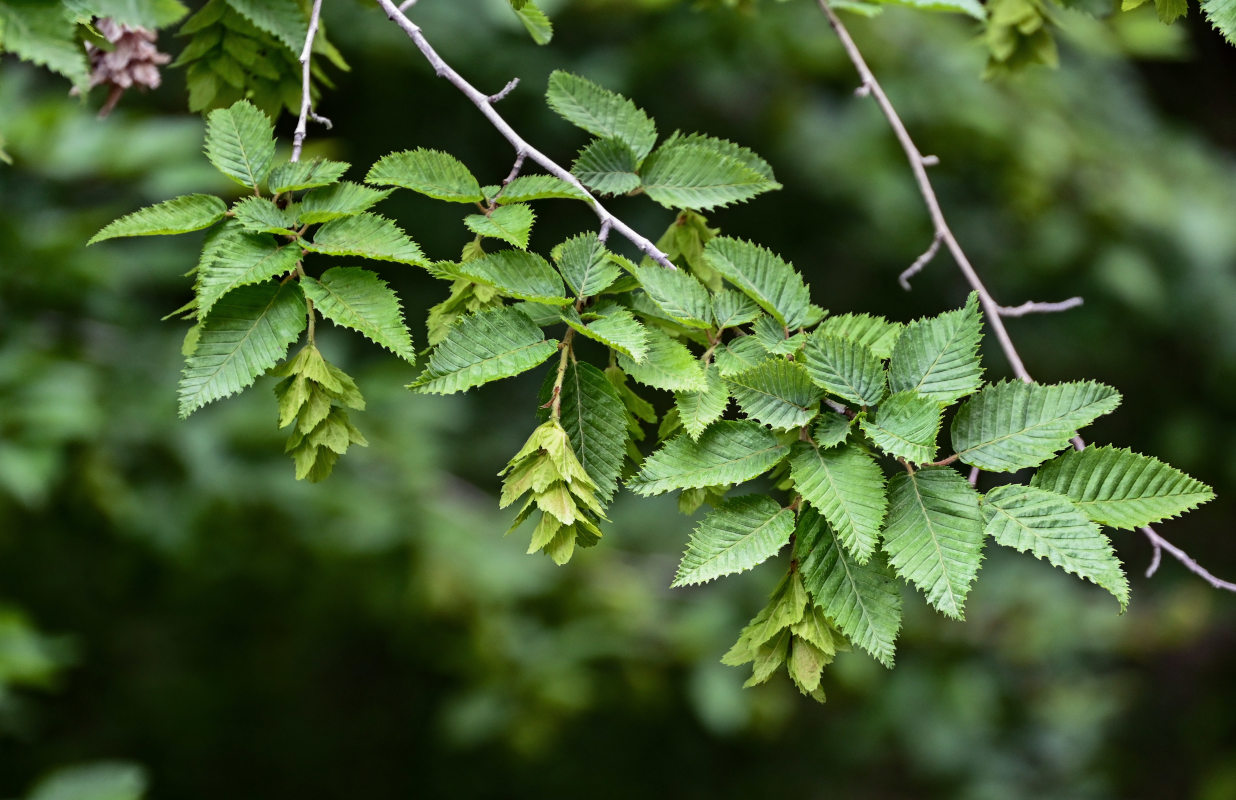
(172, 598)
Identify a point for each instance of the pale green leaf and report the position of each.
(232, 258)
(680, 296)
(723, 147)
(246, 333)
(695, 176)
(934, 535)
(845, 368)
(190, 212)
(297, 175)
(847, 486)
(367, 235)
(776, 392)
(698, 410)
(772, 336)
(1222, 15)
(862, 600)
(584, 262)
(738, 355)
(358, 299)
(260, 215)
(601, 112)
(537, 24)
(484, 347)
(906, 425)
(151, 14)
(517, 273)
(831, 429)
(764, 277)
(1009, 426)
(512, 224)
(613, 326)
(240, 142)
(535, 187)
(1049, 526)
(42, 33)
(731, 309)
(342, 199)
(1120, 488)
(938, 357)
(738, 535)
(668, 365)
(1171, 10)
(283, 19)
(876, 333)
(727, 453)
(606, 166)
(971, 8)
(429, 172)
(593, 415)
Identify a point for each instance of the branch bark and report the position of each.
(485, 104)
(993, 311)
(306, 113)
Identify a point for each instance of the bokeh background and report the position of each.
(180, 618)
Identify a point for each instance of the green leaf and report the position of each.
(740, 534)
(831, 430)
(731, 309)
(740, 354)
(297, 175)
(259, 215)
(726, 148)
(42, 33)
(282, 19)
(1120, 488)
(484, 347)
(847, 486)
(1171, 10)
(772, 336)
(538, 25)
(190, 212)
(536, 187)
(512, 224)
(876, 333)
(519, 274)
(1011, 426)
(607, 166)
(615, 327)
(367, 235)
(934, 535)
(861, 599)
(1049, 526)
(679, 295)
(668, 365)
(938, 357)
(342, 199)
(429, 172)
(698, 410)
(231, 258)
(134, 13)
(601, 112)
(246, 333)
(777, 392)
(845, 368)
(971, 8)
(1222, 15)
(584, 262)
(905, 425)
(358, 299)
(593, 415)
(764, 277)
(727, 453)
(240, 142)
(695, 176)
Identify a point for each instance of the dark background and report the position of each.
(171, 598)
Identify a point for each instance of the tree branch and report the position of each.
(302, 123)
(485, 105)
(994, 312)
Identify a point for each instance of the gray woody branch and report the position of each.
(306, 113)
(994, 312)
(485, 104)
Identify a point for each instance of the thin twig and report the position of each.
(510, 87)
(481, 101)
(406, 4)
(920, 262)
(302, 124)
(994, 312)
(1040, 308)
